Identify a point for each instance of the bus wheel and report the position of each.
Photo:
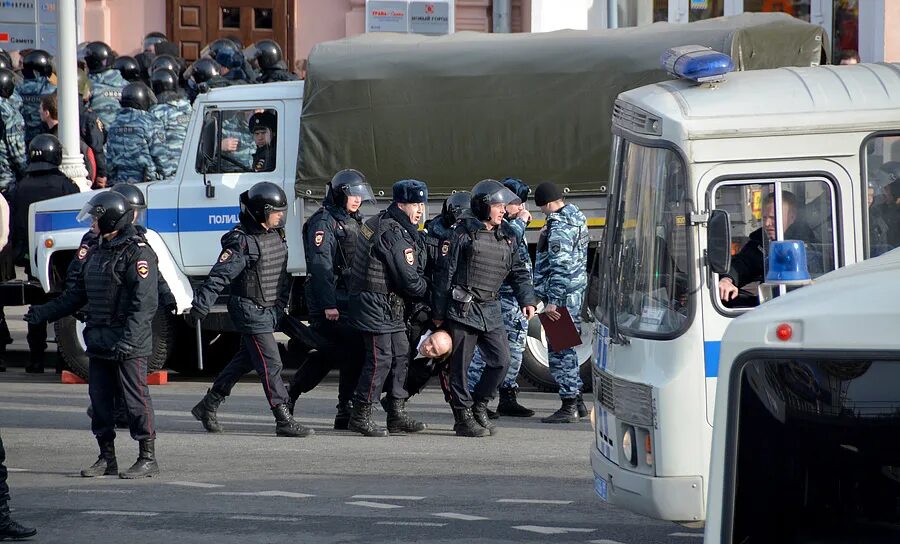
(70, 338)
(535, 362)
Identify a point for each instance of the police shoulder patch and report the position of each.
(319, 237)
(143, 269)
(410, 256)
(445, 248)
(82, 252)
(225, 255)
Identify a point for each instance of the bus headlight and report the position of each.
(629, 449)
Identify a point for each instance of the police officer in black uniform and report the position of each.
(119, 287)
(269, 58)
(475, 261)
(386, 274)
(254, 262)
(330, 237)
(438, 230)
(262, 126)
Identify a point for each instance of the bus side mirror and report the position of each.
(718, 241)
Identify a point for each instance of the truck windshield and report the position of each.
(649, 257)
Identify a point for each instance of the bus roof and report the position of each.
(780, 101)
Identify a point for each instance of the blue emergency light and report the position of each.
(696, 63)
(787, 262)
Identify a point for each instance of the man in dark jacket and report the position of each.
(386, 274)
(330, 238)
(476, 259)
(119, 287)
(43, 181)
(254, 262)
(269, 58)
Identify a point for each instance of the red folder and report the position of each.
(561, 334)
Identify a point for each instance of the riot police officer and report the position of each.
(262, 126)
(173, 110)
(129, 68)
(148, 53)
(36, 68)
(438, 229)
(386, 274)
(232, 61)
(330, 238)
(136, 145)
(254, 262)
(475, 261)
(106, 82)
(118, 285)
(203, 71)
(12, 134)
(269, 58)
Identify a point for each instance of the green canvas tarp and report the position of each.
(455, 109)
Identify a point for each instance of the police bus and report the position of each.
(694, 165)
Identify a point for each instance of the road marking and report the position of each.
(604, 542)
(368, 504)
(552, 530)
(263, 518)
(18, 470)
(120, 513)
(119, 491)
(534, 501)
(463, 517)
(196, 484)
(287, 494)
(687, 535)
(412, 523)
(389, 497)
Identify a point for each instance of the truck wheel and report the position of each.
(71, 343)
(535, 362)
(218, 349)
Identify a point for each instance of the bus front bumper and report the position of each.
(669, 498)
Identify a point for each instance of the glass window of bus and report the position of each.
(807, 215)
(652, 253)
(881, 173)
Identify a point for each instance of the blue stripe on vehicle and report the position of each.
(206, 219)
(711, 357)
(49, 221)
(158, 219)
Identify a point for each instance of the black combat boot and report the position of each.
(106, 464)
(342, 418)
(361, 420)
(145, 466)
(568, 413)
(35, 363)
(582, 409)
(509, 404)
(9, 529)
(205, 411)
(465, 424)
(286, 425)
(398, 420)
(479, 412)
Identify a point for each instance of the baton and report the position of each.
(199, 345)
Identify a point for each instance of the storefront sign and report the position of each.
(433, 17)
(429, 17)
(387, 16)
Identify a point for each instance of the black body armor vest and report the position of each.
(259, 281)
(368, 271)
(485, 264)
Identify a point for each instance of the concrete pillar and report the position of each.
(67, 99)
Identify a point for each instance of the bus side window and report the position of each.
(882, 189)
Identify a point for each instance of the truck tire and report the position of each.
(535, 366)
(218, 349)
(72, 349)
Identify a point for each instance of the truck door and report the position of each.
(229, 160)
(810, 212)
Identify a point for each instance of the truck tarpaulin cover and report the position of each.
(456, 109)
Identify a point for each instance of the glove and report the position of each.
(32, 317)
(197, 314)
(122, 351)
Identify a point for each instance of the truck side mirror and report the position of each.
(718, 241)
(209, 140)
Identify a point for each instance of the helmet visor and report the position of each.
(505, 196)
(88, 213)
(251, 53)
(362, 190)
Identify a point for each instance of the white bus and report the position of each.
(823, 138)
(806, 446)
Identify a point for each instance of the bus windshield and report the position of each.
(650, 254)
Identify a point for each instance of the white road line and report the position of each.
(368, 504)
(389, 497)
(604, 541)
(411, 523)
(196, 484)
(687, 535)
(117, 491)
(463, 517)
(264, 518)
(552, 530)
(120, 513)
(534, 501)
(287, 494)
(18, 470)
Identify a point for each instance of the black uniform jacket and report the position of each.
(38, 185)
(325, 287)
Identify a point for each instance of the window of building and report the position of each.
(705, 9)
(231, 17)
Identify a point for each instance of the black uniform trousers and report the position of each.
(258, 352)
(4, 487)
(494, 347)
(36, 337)
(421, 371)
(386, 354)
(344, 351)
(105, 378)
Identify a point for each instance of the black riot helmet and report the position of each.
(266, 53)
(202, 70)
(98, 57)
(128, 67)
(454, 206)
(517, 186)
(163, 81)
(5, 60)
(215, 46)
(136, 95)
(153, 38)
(110, 209)
(488, 192)
(36, 63)
(349, 182)
(7, 83)
(261, 200)
(164, 62)
(44, 152)
(132, 194)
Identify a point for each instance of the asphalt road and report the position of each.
(530, 483)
